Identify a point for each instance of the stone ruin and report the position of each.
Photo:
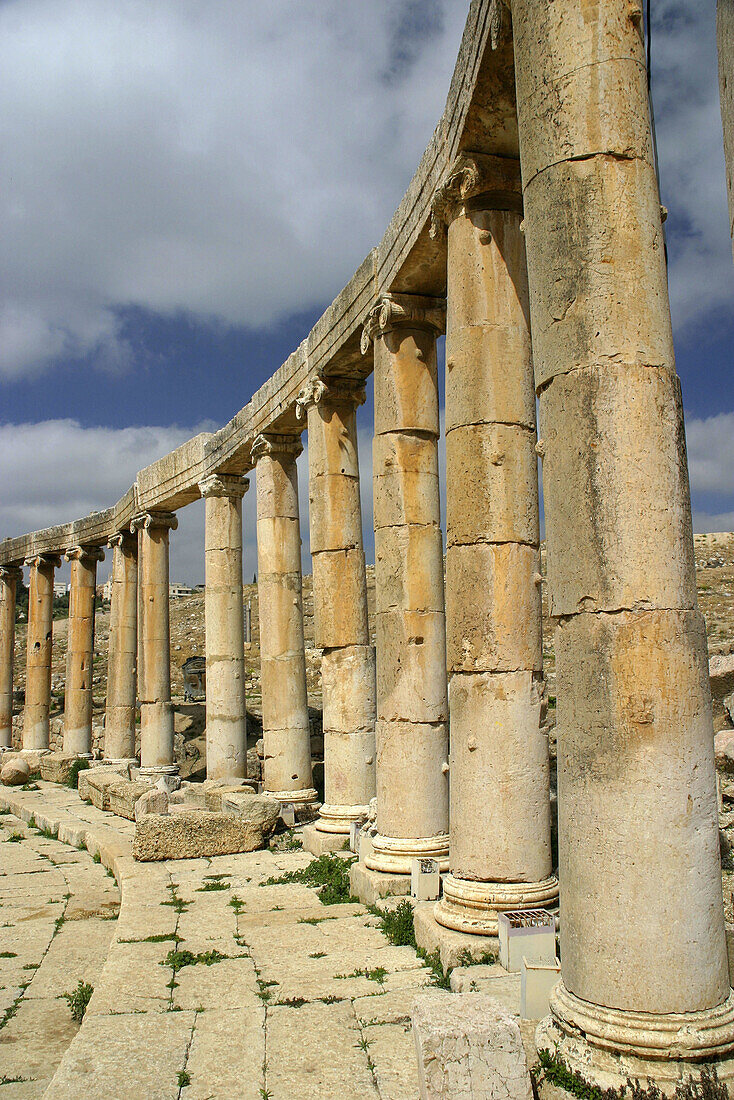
(536, 206)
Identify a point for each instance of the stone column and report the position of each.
(226, 715)
(119, 733)
(340, 605)
(412, 704)
(286, 735)
(9, 577)
(500, 853)
(80, 649)
(645, 987)
(725, 39)
(38, 650)
(156, 716)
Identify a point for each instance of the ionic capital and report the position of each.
(146, 520)
(224, 485)
(274, 444)
(43, 561)
(10, 573)
(403, 311)
(332, 391)
(495, 179)
(122, 540)
(86, 554)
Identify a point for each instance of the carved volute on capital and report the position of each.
(403, 311)
(495, 179)
(332, 391)
(43, 561)
(224, 485)
(86, 554)
(146, 520)
(10, 573)
(122, 539)
(274, 444)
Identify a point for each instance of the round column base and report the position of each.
(471, 906)
(157, 770)
(608, 1045)
(298, 798)
(394, 855)
(338, 819)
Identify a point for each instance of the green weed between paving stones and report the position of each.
(76, 767)
(177, 960)
(209, 886)
(554, 1070)
(79, 999)
(329, 873)
(236, 903)
(397, 925)
(8, 955)
(184, 1078)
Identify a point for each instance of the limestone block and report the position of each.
(15, 772)
(281, 612)
(405, 472)
(340, 598)
(405, 378)
(499, 778)
(404, 750)
(278, 545)
(724, 751)
(494, 633)
(214, 792)
(95, 785)
(284, 701)
(348, 687)
(478, 389)
(151, 802)
(493, 473)
(468, 1045)
(56, 767)
(277, 489)
(332, 439)
(192, 834)
(33, 758)
(488, 284)
(124, 795)
(572, 325)
(258, 809)
(335, 515)
(349, 767)
(635, 714)
(411, 666)
(409, 569)
(287, 760)
(254, 768)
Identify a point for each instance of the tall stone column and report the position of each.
(725, 40)
(119, 733)
(500, 853)
(226, 715)
(645, 986)
(38, 650)
(80, 649)
(412, 704)
(9, 578)
(286, 735)
(340, 605)
(156, 715)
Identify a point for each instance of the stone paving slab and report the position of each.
(238, 1076)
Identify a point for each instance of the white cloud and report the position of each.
(710, 443)
(233, 160)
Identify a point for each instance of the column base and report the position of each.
(369, 886)
(473, 907)
(394, 855)
(607, 1045)
(338, 819)
(318, 843)
(155, 771)
(454, 948)
(298, 798)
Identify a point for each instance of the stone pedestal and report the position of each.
(286, 734)
(80, 650)
(156, 716)
(226, 716)
(500, 795)
(10, 576)
(645, 984)
(38, 650)
(340, 609)
(119, 732)
(412, 705)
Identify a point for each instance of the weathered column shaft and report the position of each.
(9, 578)
(286, 734)
(156, 716)
(80, 649)
(340, 603)
(643, 926)
(500, 854)
(119, 737)
(412, 704)
(725, 37)
(38, 651)
(226, 716)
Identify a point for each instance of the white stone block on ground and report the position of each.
(469, 1048)
(194, 834)
(536, 982)
(151, 802)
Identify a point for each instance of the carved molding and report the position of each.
(224, 485)
(88, 554)
(500, 23)
(145, 520)
(10, 573)
(41, 561)
(334, 391)
(274, 444)
(403, 311)
(121, 539)
(496, 179)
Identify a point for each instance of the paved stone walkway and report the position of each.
(271, 994)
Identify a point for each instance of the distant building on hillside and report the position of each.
(175, 590)
(60, 589)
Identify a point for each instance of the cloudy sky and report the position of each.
(185, 186)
